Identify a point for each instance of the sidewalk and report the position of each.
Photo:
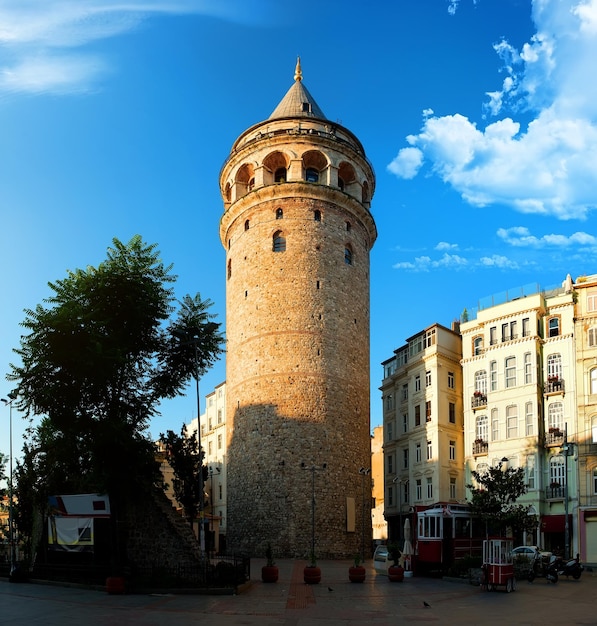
(289, 602)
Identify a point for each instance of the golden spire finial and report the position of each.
(298, 73)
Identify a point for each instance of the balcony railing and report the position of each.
(554, 438)
(555, 492)
(480, 447)
(478, 401)
(554, 385)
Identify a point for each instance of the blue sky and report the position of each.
(479, 116)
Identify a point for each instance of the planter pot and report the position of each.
(357, 574)
(115, 585)
(269, 573)
(312, 575)
(395, 574)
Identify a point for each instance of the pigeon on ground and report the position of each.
(330, 589)
(426, 604)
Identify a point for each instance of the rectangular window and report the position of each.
(419, 489)
(390, 496)
(505, 332)
(428, 410)
(405, 392)
(418, 453)
(452, 488)
(219, 415)
(592, 337)
(405, 458)
(429, 451)
(530, 467)
(219, 442)
(511, 421)
(406, 492)
(390, 431)
(429, 487)
(390, 463)
(427, 379)
(389, 402)
(513, 330)
(529, 419)
(495, 425)
(210, 424)
(210, 448)
(595, 481)
(492, 336)
(417, 383)
(451, 383)
(493, 376)
(591, 301)
(452, 450)
(405, 422)
(511, 371)
(220, 492)
(528, 368)
(526, 327)
(429, 339)
(418, 415)
(452, 413)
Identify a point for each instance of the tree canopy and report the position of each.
(494, 499)
(98, 357)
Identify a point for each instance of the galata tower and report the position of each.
(297, 230)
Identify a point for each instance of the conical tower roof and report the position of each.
(298, 102)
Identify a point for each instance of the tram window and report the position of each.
(462, 527)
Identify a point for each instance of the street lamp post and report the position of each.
(11, 537)
(363, 472)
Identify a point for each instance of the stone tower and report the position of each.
(297, 230)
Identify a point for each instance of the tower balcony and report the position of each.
(478, 401)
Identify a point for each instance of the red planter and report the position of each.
(357, 574)
(269, 573)
(395, 574)
(312, 575)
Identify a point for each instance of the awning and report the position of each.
(555, 523)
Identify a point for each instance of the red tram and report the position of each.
(446, 533)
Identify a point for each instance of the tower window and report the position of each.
(317, 215)
(280, 175)
(348, 227)
(279, 242)
(279, 214)
(306, 107)
(340, 184)
(246, 224)
(229, 268)
(348, 257)
(251, 184)
(312, 175)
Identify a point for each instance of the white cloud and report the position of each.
(550, 166)
(41, 40)
(520, 236)
(444, 245)
(498, 260)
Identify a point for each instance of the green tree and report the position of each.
(98, 358)
(185, 458)
(494, 499)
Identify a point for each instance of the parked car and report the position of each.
(528, 553)
(382, 560)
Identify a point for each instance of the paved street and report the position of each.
(290, 602)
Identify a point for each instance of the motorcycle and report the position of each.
(571, 567)
(545, 566)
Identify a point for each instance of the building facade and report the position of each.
(423, 425)
(585, 332)
(297, 230)
(378, 520)
(519, 388)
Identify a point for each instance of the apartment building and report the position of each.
(585, 332)
(519, 376)
(378, 521)
(423, 425)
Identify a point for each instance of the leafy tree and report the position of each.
(98, 358)
(185, 458)
(494, 499)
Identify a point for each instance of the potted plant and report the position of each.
(356, 573)
(269, 572)
(312, 573)
(395, 571)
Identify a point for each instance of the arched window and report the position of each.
(510, 371)
(477, 346)
(556, 471)
(555, 416)
(251, 184)
(279, 214)
(246, 224)
(348, 256)
(554, 366)
(312, 175)
(481, 428)
(481, 381)
(317, 215)
(340, 183)
(280, 175)
(593, 380)
(279, 242)
(553, 327)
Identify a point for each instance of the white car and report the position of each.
(382, 560)
(528, 553)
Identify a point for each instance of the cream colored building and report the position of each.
(422, 416)
(586, 377)
(378, 521)
(519, 388)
